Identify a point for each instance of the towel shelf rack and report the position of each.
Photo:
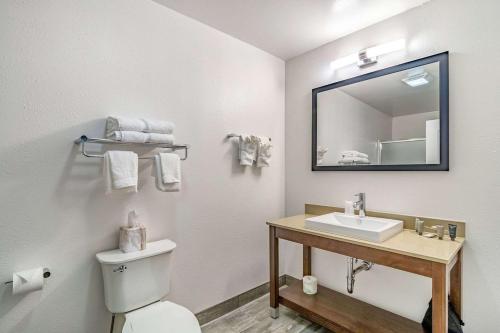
(84, 140)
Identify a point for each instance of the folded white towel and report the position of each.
(264, 152)
(138, 125)
(129, 136)
(120, 171)
(167, 172)
(353, 153)
(140, 137)
(248, 149)
(354, 160)
(161, 138)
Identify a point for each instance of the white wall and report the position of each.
(411, 125)
(346, 123)
(470, 191)
(64, 66)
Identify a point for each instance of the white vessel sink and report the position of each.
(368, 228)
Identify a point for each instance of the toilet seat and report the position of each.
(161, 317)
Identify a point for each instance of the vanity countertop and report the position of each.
(407, 242)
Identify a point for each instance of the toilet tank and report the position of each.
(136, 279)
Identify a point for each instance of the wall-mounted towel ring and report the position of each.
(234, 135)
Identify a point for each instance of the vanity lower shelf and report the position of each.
(342, 313)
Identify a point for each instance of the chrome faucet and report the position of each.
(360, 204)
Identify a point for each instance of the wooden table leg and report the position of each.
(439, 299)
(306, 260)
(274, 272)
(456, 285)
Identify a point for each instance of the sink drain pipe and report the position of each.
(351, 271)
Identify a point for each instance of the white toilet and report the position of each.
(135, 283)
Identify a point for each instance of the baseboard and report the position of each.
(235, 302)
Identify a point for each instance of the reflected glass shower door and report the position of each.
(410, 151)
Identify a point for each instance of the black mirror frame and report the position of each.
(442, 58)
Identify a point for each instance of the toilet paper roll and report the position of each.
(309, 285)
(27, 281)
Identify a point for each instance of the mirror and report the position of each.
(392, 119)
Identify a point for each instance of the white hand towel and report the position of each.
(353, 153)
(140, 137)
(248, 149)
(264, 152)
(167, 172)
(138, 125)
(120, 171)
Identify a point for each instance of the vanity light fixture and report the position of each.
(368, 56)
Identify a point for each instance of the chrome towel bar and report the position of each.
(84, 140)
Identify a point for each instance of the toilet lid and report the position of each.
(161, 317)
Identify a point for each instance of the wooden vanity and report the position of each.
(406, 251)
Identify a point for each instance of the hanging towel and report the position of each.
(140, 137)
(264, 152)
(120, 171)
(248, 146)
(167, 172)
(353, 153)
(137, 125)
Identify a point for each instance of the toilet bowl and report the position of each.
(161, 317)
(135, 283)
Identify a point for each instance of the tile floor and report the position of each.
(254, 318)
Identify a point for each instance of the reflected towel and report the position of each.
(353, 153)
(354, 160)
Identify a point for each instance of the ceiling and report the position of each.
(390, 95)
(288, 28)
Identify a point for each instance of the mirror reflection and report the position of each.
(388, 120)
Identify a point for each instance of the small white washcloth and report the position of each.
(353, 153)
(248, 146)
(264, 152)
(168, 172)
(140, 137)
(137, 125)
(120, 171)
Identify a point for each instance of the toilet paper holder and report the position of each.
(46, 275)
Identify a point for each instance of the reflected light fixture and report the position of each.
(368, 56)
(417, 77)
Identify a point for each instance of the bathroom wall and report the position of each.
(65, 66)
(346, 123)
(412, 125)
(469, 191)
